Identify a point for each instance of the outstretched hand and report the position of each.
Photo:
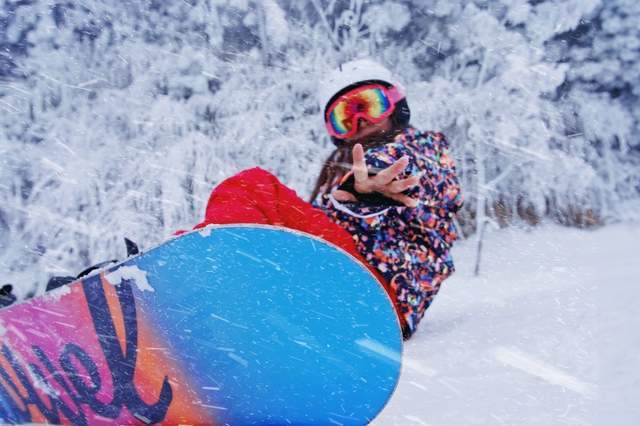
(384, 182)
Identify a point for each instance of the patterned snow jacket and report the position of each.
(409, 246)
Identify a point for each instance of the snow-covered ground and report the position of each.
(549, 334)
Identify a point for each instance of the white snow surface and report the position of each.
(56, 294)
(206, 231)
(130, 273)
(548, 334)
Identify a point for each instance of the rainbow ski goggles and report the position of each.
(373, 102)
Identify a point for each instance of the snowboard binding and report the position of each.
(7, 297)
(59, 281)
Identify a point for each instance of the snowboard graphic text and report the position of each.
(24, 386)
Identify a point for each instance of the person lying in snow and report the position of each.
(387, 195)
(402, 218)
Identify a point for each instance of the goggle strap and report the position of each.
(395, 93)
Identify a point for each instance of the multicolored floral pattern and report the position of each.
(409, 246)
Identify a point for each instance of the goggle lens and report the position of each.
(371, 102)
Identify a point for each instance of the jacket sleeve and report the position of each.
(439, 188)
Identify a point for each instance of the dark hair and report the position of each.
(340, 160)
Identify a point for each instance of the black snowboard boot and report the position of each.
(6, 295)
(59, 281)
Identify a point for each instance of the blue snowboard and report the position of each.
(235, 324)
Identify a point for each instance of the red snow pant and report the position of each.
(257, 196)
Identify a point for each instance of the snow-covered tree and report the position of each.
(601, 96)
(118, 119)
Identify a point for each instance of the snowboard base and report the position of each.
(226, 325)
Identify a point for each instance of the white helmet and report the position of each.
(353, 72)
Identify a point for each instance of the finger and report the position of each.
(404, 199)
(359, 165)
(343, 196)
(391, 172)
(402, 184)
(363, 184)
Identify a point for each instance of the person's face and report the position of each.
(367, 130)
